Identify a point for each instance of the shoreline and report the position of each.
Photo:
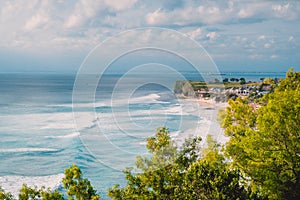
(208, 110)
(206, 103)
(210, 103)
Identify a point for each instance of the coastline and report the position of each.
(210, 103)
(208, 110)
(206, 103)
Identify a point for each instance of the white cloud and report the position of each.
(120, 5)
(220, 13)
(156, 17)
(211, 35)
(289, 11)
(82, 24)
(280, 8)
(41, 16)
(213, 10)
(245, 13)
(186, 16)
(195, 34)
(160, 17)
(255, 10)
(274, 56)
(84, 10)
(36, 21)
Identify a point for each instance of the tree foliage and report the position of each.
(183, 172)
(265, 143)
(77, 187)
(242, 81)
(36, 194)
(4, 195)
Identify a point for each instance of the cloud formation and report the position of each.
(250, 29)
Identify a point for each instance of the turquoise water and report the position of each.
(40, 137)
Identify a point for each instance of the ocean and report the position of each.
(43, 132)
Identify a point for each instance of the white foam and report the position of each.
(13, 184)
(90, 105)
(120, 101)
(175, 134)
(57, 125)
(144, 143)
(148, 98)
(46, 121)
(18, 150)
(71, 135)
(38, 121)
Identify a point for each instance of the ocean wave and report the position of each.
(71, 135)
(81, 105)
(119, 101)
(21, 150)
(147, 98)
(14, 183)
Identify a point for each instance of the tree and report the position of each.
(225, 80)
(154, 181)
(232, 79)
(206, 180)
(231, 96)
(268, 81)
(4, 195)
(183, 172)
(78, 187)
(42, 193)
(265, 143)
(242, 81)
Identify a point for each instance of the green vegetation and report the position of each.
(264, 143)
(227, 89)
(35, 193)
(5, 196)
(197, 85)
(77, 187)
(242, 81)
(185, 172)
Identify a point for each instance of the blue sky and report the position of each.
(239, 35)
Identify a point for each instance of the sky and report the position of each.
(239, 35)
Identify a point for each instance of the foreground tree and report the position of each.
(265, 143)
(42, 193)
(77, 187)
(181, 173)
(4, 195)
